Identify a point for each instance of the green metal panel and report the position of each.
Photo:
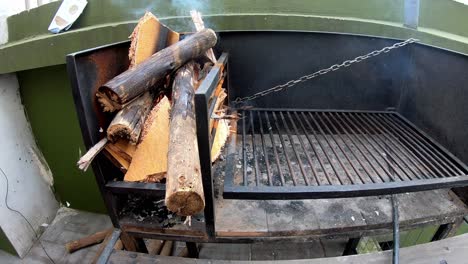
(97, 12)
(444, 15)
(47, 97)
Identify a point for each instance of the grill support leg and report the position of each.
(192, 248)
(447, 230)
(350, 248)
(131, 243)
(396, 231)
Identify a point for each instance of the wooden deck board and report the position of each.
(452, 250)
(343, 216)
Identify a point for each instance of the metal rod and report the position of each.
(275, 151)
(339, 145)
(435, 151)
(386, 150)
(396, 231)
(389, 174)
(333, 149)
(360, 150)
(109, 247)
(244, 151)
(288, 161)
(320, 143)
(265, 153)
(361, 163)
(406, 152)
(408, 145)
(421, 151)
(291, 141)
(313, 146)
(306, 152)
(254, 150)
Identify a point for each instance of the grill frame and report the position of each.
(441, 174)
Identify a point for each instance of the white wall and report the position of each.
(29, 177)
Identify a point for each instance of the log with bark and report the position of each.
(184, 189)
(133, 82)
(93, 239)
(128, 122)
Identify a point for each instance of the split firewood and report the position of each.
(93, 239)
(123, 149)
(84, 162)
(199, 25)
(133, 82)
(128, 122)
(184, 189)
(117, 160)
(221, 136)
(150, 157)
(148, 37)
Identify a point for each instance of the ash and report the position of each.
(148, 209)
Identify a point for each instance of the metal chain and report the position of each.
(321, 72)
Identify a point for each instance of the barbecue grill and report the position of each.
(366, 130)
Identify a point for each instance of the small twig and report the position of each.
(87, 158)
(188, 221)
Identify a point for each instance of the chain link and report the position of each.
(318, 73)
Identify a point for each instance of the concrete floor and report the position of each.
(71, 224)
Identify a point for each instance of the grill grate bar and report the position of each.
(322, 147)
(244, 153)
(313, 146)
(265, 153)
(387, 151)
(440, 157)
(254, 149)
(339, 146)
(375, 157)
(301, 141)
(419, 148)
(291, 143)
(275, 151)
(414, 161)
(299, 148)
(361, 163)
(283, 145)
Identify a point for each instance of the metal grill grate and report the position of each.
(292, 153)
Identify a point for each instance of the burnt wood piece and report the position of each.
(184, 191)
(133, 82)
(93, 239)
(128, 122)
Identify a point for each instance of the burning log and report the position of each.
(199, 25)
(133, 82)
(184, 189)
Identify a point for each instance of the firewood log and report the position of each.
(133, 82)
(150, 157)
(93, 239)
(128, 122)
(148, 37)
(184, 189)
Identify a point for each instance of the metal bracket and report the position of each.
(396, 231)
(411, 16)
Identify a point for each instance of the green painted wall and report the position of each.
(48, 100)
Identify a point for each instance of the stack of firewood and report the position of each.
(152, 137)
